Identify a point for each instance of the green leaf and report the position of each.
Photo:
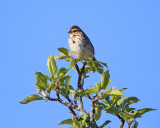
(107, 100)
(67, 80)
(40, 78)
(122, 89)
(98, 67)
(76, 94)
(105, 79)
(41, 81)
(70, 87)
(91, 65)
(72, 53)
(88, 91)
(98, 112)
(84, 117)
(87, 68)
(125, 116)
(57, 78)
(67, 121)
(73, 63)
(93, 90)
(73, 93)
(140, 112)
(116, 93)
(102, 63)
(63, 81)
(135, 125)
(119, 102)
(62, 72)
(64, 92)
(113, 110)
(130, 100)
(96, 84)
(106, 92)
(31, 98)
(50, 87)
(110, 82)
(41, 86)
(105, 123)
(52, 65)
(101, 105)
(60, 57)
(129, 109)
(64, 51)
(75, 122)
(99, 70)
(113, 98)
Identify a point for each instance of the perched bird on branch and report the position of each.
(80, 43)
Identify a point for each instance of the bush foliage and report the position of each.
(101, 97)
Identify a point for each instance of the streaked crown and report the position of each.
(74, 29)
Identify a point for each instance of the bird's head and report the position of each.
(74, 29)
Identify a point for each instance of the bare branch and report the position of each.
(92, 110)
(57, 92)
(81, 78)
(80, 102)
(80, 87)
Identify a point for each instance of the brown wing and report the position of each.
(87, 43)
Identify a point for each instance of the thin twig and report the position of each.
(70, 108)
(95, 96)
(97, 99)
(122, 121)
(129, 124)
(70, 101)
(74, 114)
(69, 105)
(89, 97)
(77, 68)
(64, 103)
(61, 101)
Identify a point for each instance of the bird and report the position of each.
(80, 43)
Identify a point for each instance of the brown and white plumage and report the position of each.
(80, 43)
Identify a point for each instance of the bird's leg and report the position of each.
(73, 60)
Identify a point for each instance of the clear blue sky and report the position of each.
(125, 34)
